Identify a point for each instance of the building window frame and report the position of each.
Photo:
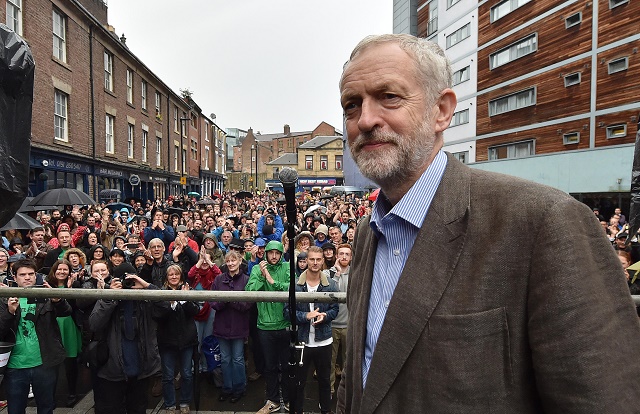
(505, 7)
(572, 79)
(130, 139)
(451, 3)
(571, 138)
(14, 15)
(618, 65)
(143, 94)
(109, 134)
(517, 100)
(495, 151)
(308, 162)
(573, 20)
(432, 24)
(61, 116)
(617, 131)
(158, 152)
(459, 35)
(145, 143)
(108, 71)
(339, 162)
(129, 86)
(462, 156)
(158, 105)
(461, 75)
(459, 118)
(516, 50)
(176, 155)
(324, 162)
(615, 3)
(59, 33)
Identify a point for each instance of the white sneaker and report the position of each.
(30, 391)
(269, 407)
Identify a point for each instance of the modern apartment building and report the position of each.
(102, 119)
(547, 90)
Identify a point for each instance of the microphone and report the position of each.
(289, 178)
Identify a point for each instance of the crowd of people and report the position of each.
(218, 243)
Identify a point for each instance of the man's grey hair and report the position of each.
(156, 240)
(433, 66)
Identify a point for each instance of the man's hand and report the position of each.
(138, 282)
(12, 305)
(265, 272)
(48, 286)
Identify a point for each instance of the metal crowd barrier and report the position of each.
(194, 295)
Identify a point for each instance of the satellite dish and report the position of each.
(212, 116)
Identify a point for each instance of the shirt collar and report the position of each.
(414, 205)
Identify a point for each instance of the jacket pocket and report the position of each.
(468, 356)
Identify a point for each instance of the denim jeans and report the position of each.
(275, 347)
(204, 328)
(233, 373)
(43, 380)
(169, 358)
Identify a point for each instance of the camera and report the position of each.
(127, 283)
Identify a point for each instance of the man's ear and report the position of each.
(444, 109)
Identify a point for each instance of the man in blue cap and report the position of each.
(257, 252)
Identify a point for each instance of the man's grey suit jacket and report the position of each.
(512, 301)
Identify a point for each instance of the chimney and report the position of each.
(287, 129)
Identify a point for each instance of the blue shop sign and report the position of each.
(58, 164)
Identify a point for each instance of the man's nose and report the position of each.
(370, 112)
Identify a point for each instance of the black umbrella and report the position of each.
(21, 222)
(205, 201)
(175, 210)
(61, 197)
(110, 193)
(327, 197)
(118, 206)
(243, 194)
(26, 208)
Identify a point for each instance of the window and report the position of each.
(451, 3)
(612, 3)
(618, 65)
(206, 133)
(184, 161)
(432, 25)
(175, 118)
(308, 162)
(14, 15)
(617, 131)
(571, 138)
(130, 86)
(130, 133)
(459, 118)
(143, 89)
(573, 20)
(572, 79)
(60, 116)
(206, 158)
(462, 156)
(108, 71)
(158, 113)
(145, 138)
(512, 102)
(514, 150)
(505, 7)
(158, 151)
(59, 36)
(514, 51)
(459, 35)
(338, 162)
(324, 162)
(176, 154)
(194, 149)
(461, 75)
(109, 144)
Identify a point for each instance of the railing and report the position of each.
(195, 295)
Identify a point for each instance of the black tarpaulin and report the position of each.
(16, 99)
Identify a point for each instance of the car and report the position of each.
(346, 190)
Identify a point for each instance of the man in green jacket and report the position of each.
(273, 275)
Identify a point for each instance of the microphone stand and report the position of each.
(296, 348)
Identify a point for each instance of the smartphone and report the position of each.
(132, 245)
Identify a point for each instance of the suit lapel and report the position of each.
(422, 283)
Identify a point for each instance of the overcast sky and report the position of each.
(253, 63)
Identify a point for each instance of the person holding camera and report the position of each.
(270, 226)
(38, 350)
(157, 229)
(177, 338)
(62, 276)
(122, 382)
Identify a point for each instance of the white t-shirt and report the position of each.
(312, 330)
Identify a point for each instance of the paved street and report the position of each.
(209, 403)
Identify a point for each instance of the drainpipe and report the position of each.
(93, 116)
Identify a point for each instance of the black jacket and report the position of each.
(176, 328)
(51, 349)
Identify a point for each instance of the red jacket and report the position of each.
(202, 276)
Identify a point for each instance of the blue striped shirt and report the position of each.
(396, 229)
